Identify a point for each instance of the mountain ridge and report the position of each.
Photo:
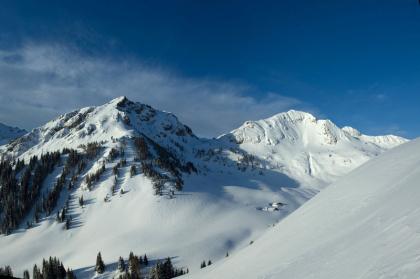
(168, 192)
(296, 141)
(8, 133)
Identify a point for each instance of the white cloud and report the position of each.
(39, 82)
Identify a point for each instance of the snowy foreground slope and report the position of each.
(228, 183)
(9, 133)
(366, 225)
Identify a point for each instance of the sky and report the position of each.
(215, 64)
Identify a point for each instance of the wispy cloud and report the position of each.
(39, 82)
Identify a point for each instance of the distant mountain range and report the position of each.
(8, 133)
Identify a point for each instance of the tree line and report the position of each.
(163, 159)
(18, 194)
(135, 268)
(51, 268)
(20, 184)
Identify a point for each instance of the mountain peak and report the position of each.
(298, 141)
(8, 133)
(118, 118)
(294, 115)
(121, 100)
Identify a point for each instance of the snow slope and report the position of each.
(218, 203)
(285, 158)
(8, 133)
(363, 226)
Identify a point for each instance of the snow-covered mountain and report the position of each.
(314, 152)
(120, 118)
(8, 133)
(151, 185)
(363, 226)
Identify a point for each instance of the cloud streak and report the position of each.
(39, 82)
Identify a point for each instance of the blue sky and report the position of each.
(355, 62)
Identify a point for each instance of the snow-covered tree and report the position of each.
(121, 264)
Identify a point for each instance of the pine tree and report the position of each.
(203, 264)
(125, 275)
(156, 272)
(6, 271)
(133, 170)
(134, 265)
(168, 269)
(67, 225)
(61, 270)
(63, 214)
(26, 274)
(70, 274)
(227, 254)
(145, 260)
(209, 263)
(100, 266)
(165, 270)
(121, 264)
(81, 201)
(36, 273)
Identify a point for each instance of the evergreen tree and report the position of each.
(203, 264)
(125, 275)
(63, 214)
(227, 254)
(36, 273)
(26, 274)
(81, 201)
(115, 170)
(133, 170)
(209, 263)
(18, 195)
(121, 264)
(100, 266)
(168, 269)
(70, 274)
(165, 270)
(53, 269)
(134, 265)
(6, 271)
(145, 260)
(67, 225)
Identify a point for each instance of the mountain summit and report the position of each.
(314, 151)
(118, 118)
